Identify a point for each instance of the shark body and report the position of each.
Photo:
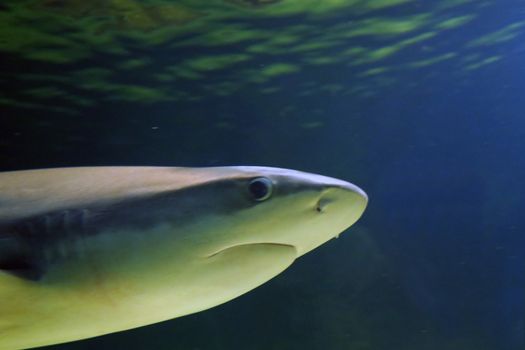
(90, 251)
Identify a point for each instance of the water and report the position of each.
(420, 103)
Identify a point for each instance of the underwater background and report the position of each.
(420, 103)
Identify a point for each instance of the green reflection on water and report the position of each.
(149, 51)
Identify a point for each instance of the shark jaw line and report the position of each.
(251, 244)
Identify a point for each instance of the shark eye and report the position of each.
(260, 188)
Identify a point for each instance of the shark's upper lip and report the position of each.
(251, 243)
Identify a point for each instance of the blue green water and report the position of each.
(419, 103)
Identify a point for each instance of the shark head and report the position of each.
(261, 205)
(235, 228)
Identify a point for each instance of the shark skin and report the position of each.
(95, 250)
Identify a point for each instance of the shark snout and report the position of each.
(342, 197)
(343, 202)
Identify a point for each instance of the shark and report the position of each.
(89, 251)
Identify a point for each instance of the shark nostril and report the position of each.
(322, 204)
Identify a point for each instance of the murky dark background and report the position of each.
(419, 103)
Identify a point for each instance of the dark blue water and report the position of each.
(438, 259)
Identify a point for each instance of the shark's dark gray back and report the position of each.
(33, 192)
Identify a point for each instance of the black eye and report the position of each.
(260, 188)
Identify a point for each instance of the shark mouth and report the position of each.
(236, 246)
